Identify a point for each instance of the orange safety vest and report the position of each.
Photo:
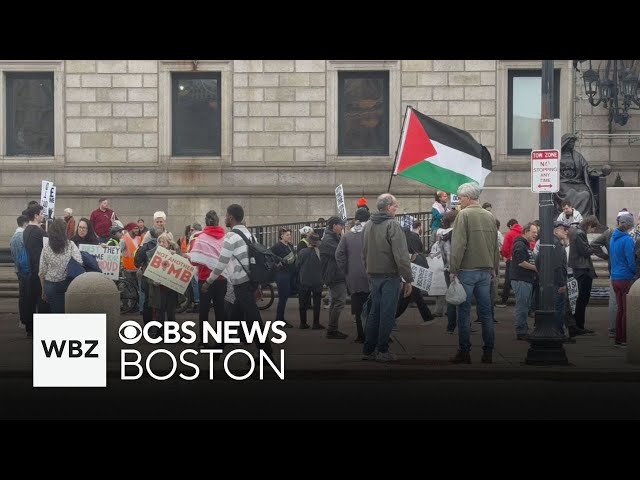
(127, 256)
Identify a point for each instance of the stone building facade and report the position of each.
(279, 154)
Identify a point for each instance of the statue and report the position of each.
(578, 181)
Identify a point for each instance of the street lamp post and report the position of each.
(546, 342)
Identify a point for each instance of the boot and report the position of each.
(360, 330)
(486, 357)
(461, 357)
(303, 318)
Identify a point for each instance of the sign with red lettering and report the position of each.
(545, 171)
(170, 269)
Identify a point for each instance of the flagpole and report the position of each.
(395, 161)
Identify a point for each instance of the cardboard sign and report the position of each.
(108, 259)
(342, 210)
(406, 221)
(572, 292)
(48, 199)
(170, 269)
(422, 277)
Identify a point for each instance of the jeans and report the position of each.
(283, 280)
(506, 289)
(195, 288)
(613, 308)
(338, 293)
(55, 294)
(523, 301)
(384, 303)
(476, 283)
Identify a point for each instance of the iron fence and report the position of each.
(269, 235)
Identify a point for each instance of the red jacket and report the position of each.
(101, 221)
(510, 236)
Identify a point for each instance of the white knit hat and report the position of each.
(160, 214)
(306, 230)
(69, 211)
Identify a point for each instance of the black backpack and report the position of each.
(263, 263)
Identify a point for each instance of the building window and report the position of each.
(524, 109)
(195, 114)
(30, 114)
(363, 113)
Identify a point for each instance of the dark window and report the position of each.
(363, 113)
(30, 113)
(196, 114)
(525, 101)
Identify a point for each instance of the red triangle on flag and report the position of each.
(416, 145)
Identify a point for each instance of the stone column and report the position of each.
(93, 292)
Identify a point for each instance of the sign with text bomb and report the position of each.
(545, 171)
(170, 269)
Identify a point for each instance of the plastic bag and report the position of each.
(456, 294)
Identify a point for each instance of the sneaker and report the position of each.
(317, 326)
(359, 340)
(450, 332)
(385, 357)
(621, 344)
(286, 324)
(303, 326)
(612, 333)
(336, 335)
(22, 325)
(501, 305)
(369, 356)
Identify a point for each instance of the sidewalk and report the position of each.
(422, 349)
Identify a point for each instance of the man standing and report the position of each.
(515, 230)
(102, 218)
(523, 274)
(21, 268)
(474, 262)
(32, 237)
(235, 245)
(386, 259)
(333, 276)
(142, 229)
(159, 220)
(71, 223)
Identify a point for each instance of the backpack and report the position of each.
(263, 263)
(140, 259)
(90, 263)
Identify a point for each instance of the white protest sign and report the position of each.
(45, 196)
(342, 210)
(438, 284)
(406, 221)
(572, 292)
(170, 269)
(108, 259)
(51, 210)
(421, 277)
(455, 201)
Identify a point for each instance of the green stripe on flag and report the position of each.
(439, 177)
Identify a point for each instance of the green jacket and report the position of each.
(475, 241)
(384, 247)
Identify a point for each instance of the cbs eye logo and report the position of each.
(130, 332)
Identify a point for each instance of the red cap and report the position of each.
(130, 226)
(361, 202)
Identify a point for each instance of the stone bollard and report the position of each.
(633, 324)
(92, 292)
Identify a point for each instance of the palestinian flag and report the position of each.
(439, 155)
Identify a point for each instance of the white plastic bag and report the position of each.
(456, 294)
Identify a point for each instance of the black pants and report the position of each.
(506, 289)
(358, 300)
(245, 309)
(147, 311)
(306, 293)
(416, 296)
(168, 302)
(33, 301)
(23, 282)
(584, 294)
(215, 294)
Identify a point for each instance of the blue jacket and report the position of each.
(621, 252)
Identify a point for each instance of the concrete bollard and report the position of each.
(92, 292)
(633, 324)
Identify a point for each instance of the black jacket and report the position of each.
(282, 250)
(558, 262)
(414, 244)
(331, 274)
(310, 269)
(522, 253)
(580, 255)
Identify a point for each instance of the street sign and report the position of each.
(545, 171)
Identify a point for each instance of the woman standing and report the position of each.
(286, 274)
(85, 233)
(53, 265)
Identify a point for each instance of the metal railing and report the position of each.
(269, 235)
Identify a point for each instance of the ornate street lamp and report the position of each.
(615, 86)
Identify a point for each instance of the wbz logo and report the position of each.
(69, 350)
